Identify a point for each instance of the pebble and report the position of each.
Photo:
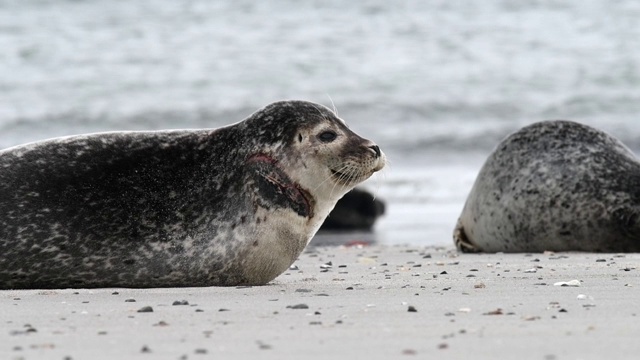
(130, 300)
(298, 306)
(145, 309)
(495, 312)
(180, 302)
(581, 297)
(574, 283)
(412, 309)
(328, 265)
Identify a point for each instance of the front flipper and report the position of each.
(462, 242)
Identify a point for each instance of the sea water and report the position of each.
(436, 84)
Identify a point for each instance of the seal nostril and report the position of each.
(375, 149)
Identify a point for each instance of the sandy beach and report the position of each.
(374, 302)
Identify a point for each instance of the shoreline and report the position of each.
(354, 301)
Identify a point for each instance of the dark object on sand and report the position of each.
(357, 210)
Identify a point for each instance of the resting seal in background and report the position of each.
(357, 210)
(557, 186)
(228, 206)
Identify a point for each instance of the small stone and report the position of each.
(443, 273)
(161, 323)
(574, 283)
(412, 309)
(201, 351)
(145, 349)
(130, 300)
(303, 290)
(494, 312)
(180, 302)
(223, 310)
(581, 297)
(145, 309)
(531, 271)
(298, 306)
(115, 293)
(199, 310)
(293, 267)
(349, 288)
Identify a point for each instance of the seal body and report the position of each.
(228, 206)
(556, 186)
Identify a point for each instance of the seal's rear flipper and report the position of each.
(462, 242)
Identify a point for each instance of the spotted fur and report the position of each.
(228, 206)
(558, 186)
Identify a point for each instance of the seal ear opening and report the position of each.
(299, 137)
(462, 242)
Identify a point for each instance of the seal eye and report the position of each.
(327, 136)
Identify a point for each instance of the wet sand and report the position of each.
(372, 302)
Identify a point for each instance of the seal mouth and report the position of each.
(276, 188)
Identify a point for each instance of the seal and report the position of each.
(357, 210)
(554, 186)
(174, 208)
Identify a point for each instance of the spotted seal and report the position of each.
(215, 207)
(557, 186)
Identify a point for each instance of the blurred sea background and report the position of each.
(437, 84)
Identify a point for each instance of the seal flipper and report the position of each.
(626, 220)
(462, 241)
